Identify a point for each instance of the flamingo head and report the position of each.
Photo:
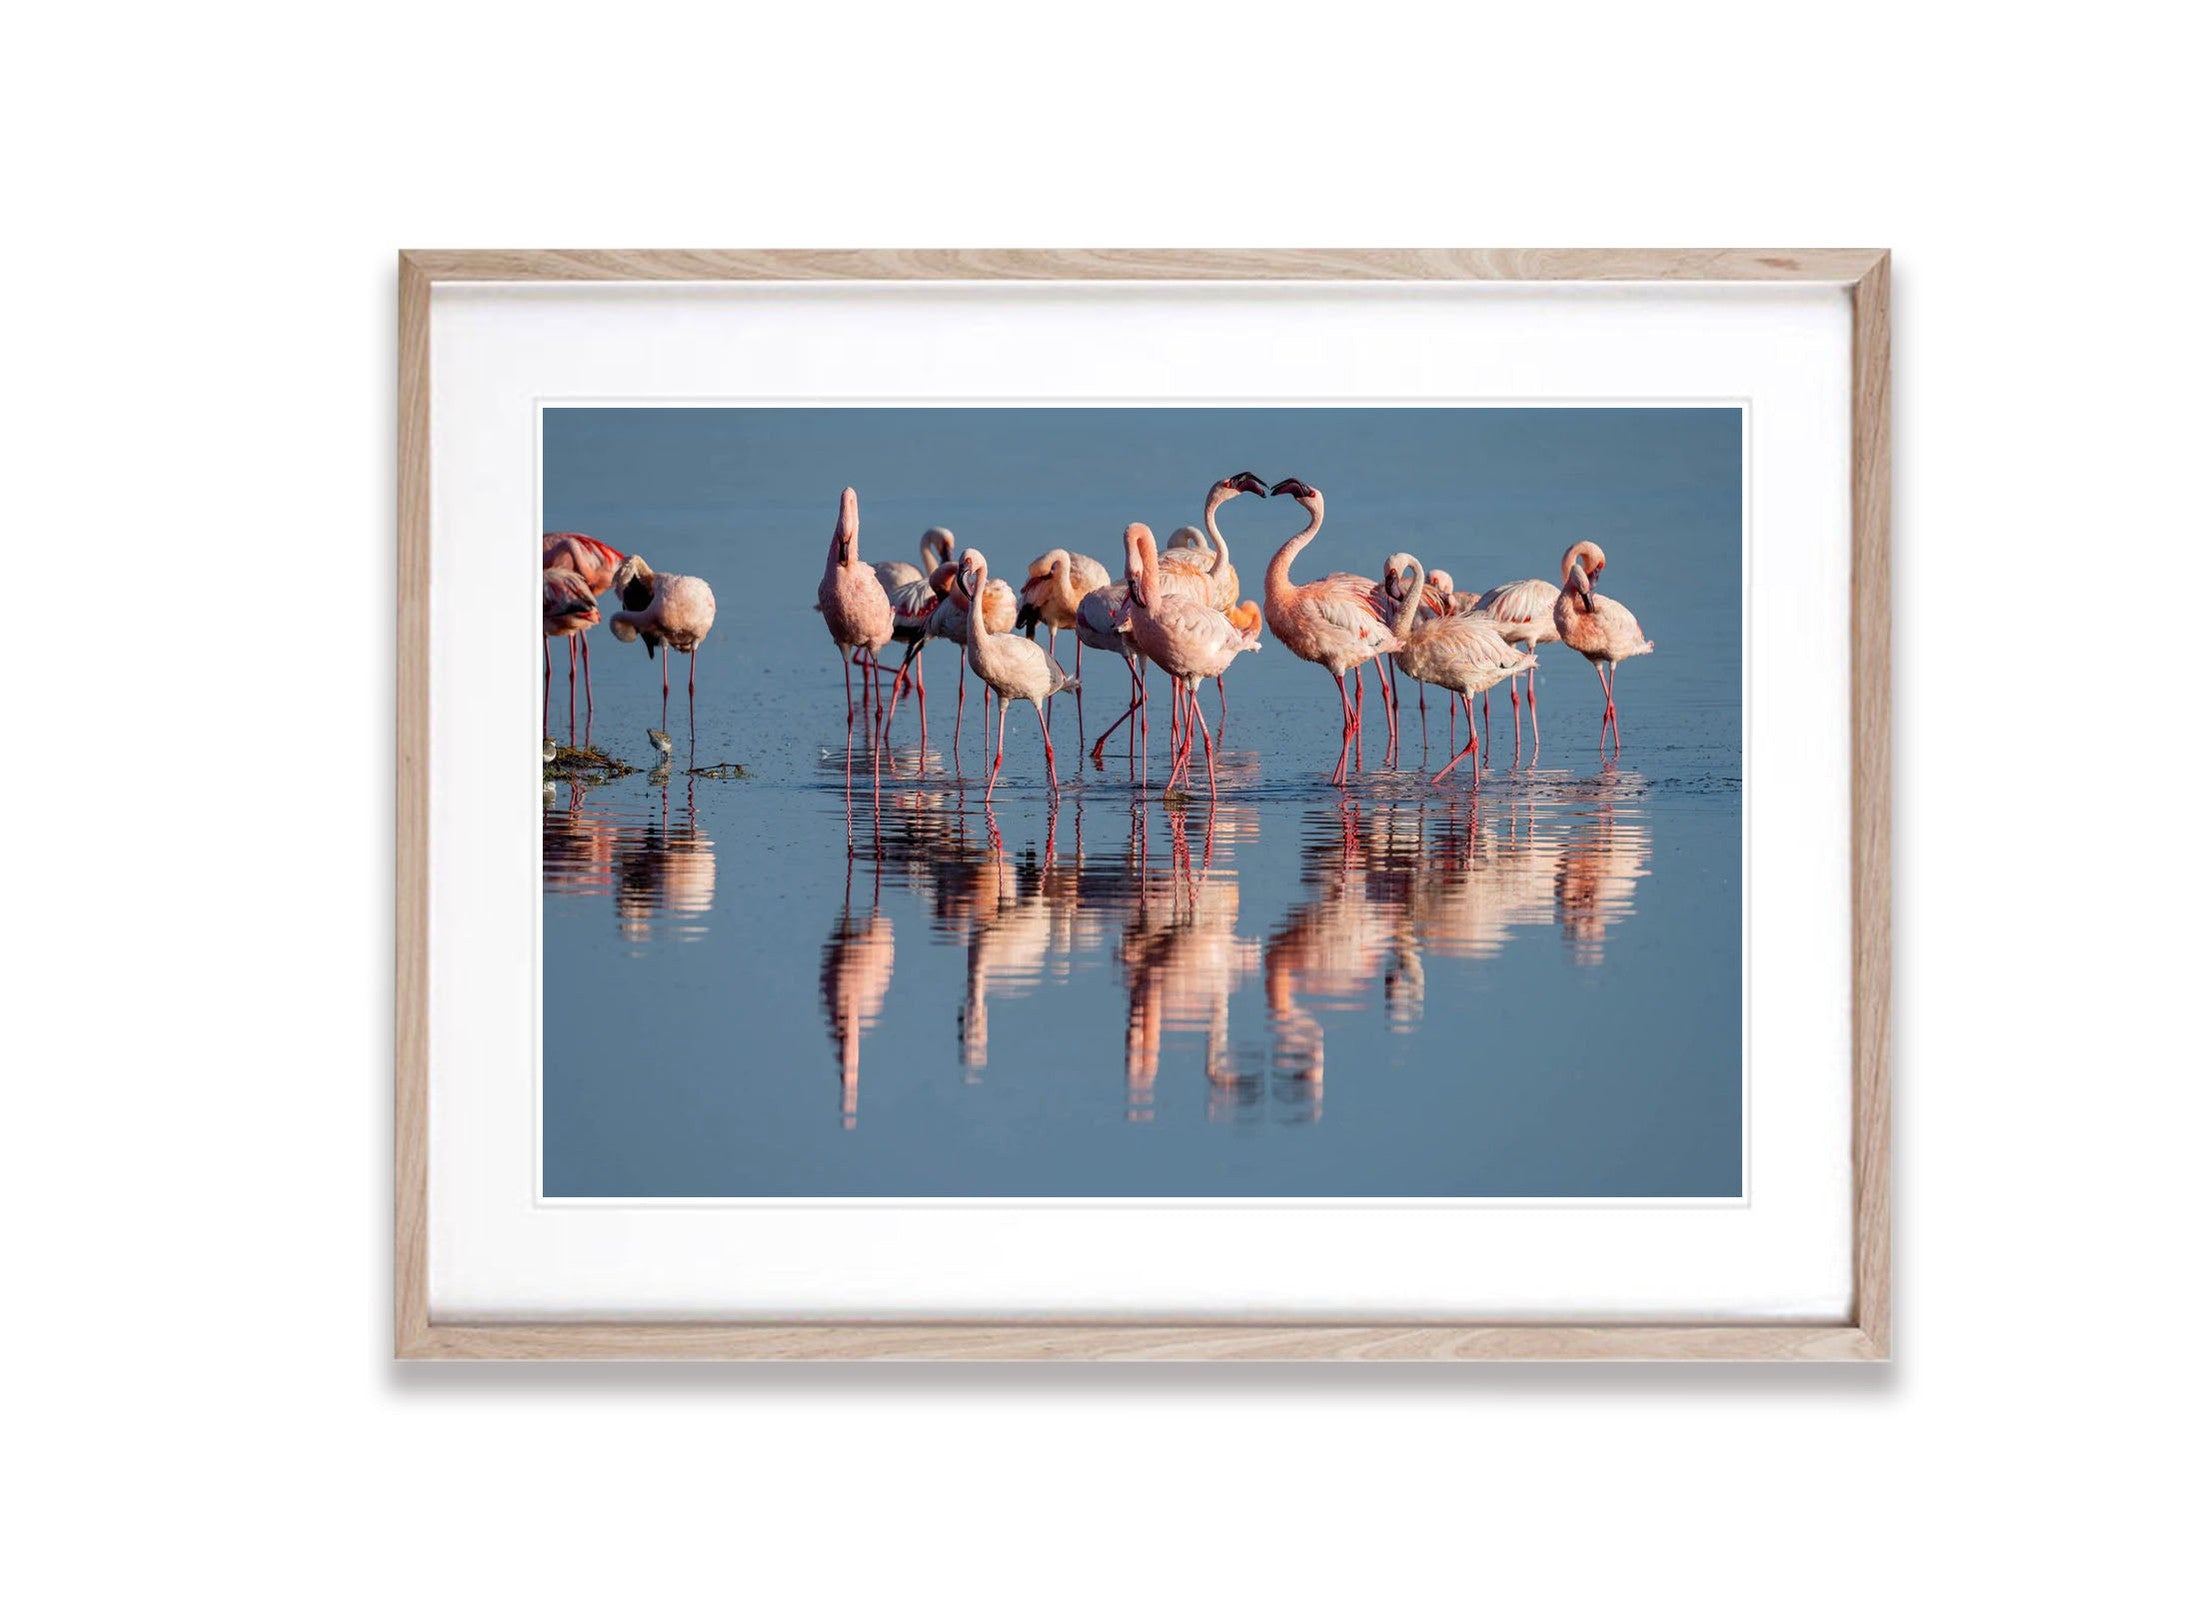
(633, 582)
(1394, 579)
(844, 532)
(1240, 483)
(1440, 582)
(1583, 565)
(970, 573)
(940, 539)
(1304, 493)
(1187, 537)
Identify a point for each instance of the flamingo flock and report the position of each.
(1177, 609)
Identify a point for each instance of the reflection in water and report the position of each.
(657, 864)
(1388, 885)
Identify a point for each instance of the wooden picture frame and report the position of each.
(1862, 1336)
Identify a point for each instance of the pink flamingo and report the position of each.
(1601, 629)
(1521, 611)
(1103, 623)
(914, 594)
(1013, 668)
(950, 620)
(1332, 621)
(856, 610)
(1461, 653)
(1189, 641)
(568, 611)
(1057, 585)
(1438, 598)
(666, 611)
(594, 563)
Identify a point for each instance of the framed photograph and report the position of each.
(1399, 867)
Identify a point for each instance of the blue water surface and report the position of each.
(845, 974)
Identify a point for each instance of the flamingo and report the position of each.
(1436, 599)
(1461, 653)
(1103, 622)
(568, 611)
(1189, 641)
(1332, 621)
(1013, 668)
(1520, 611)
(667, 611)
(856, 610)
(593, 562)
(1058, 582)
(1601, 629)
(913, 594)
(950, 620)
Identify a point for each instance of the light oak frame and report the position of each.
(1863, 1335)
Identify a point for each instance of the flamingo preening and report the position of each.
(1189, 641)
(1013, 668)
(1601, 629)
(1332, 621)
(1057, 584)
(856, 610)
(666, 611)
(1464, 654)
(594, 563)
(568, 611)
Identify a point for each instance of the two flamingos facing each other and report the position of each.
(1332, 621)
(1600, 628)
(1013, 668)
(1189, 640)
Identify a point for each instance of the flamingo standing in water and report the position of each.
(913, 594)
(1332, 621)
(568, 611)
(1521, 611)
(1013, 668)
(1601, 629)
(1461, 653)
(1189, 641)
(1103, 623)
(1058, 582)
(950, 620)
(594, 563)
(1438, 598)
(854, 603)
(666, 611)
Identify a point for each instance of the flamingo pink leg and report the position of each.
(1137, 694)
(1471, 746)
(1212, 792)
(1484, 724)
(1610, 714)
(1000, 748)
(1344, 753)
(847, 678)
(1044, 732)
(1534, 716)
(1515, 719)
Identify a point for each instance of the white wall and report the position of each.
(201, 356)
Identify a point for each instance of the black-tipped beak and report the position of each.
(1292, 487)
(1249, 483)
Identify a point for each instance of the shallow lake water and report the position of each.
(845, 974)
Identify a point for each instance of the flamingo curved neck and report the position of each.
(1278, 569)
(1409, 615)
(1216, 542)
